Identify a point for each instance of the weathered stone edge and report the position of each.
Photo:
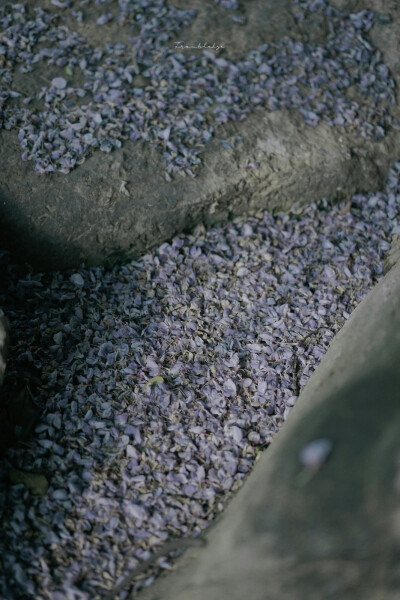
(89, 216)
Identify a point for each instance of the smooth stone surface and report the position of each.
(117, 206)
(333, 532)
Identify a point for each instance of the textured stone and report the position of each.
(117, 206)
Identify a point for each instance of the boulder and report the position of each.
(117, 205)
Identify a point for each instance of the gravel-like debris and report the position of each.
(90, 98)
(161, 381)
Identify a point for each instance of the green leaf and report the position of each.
(68, 70)
(154, 380)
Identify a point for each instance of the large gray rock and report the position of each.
(324, 525)
(118, 205)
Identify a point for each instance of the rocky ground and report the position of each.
(139, 394)
(160, 382)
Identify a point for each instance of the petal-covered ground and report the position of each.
(162, 380)
(67, 93)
